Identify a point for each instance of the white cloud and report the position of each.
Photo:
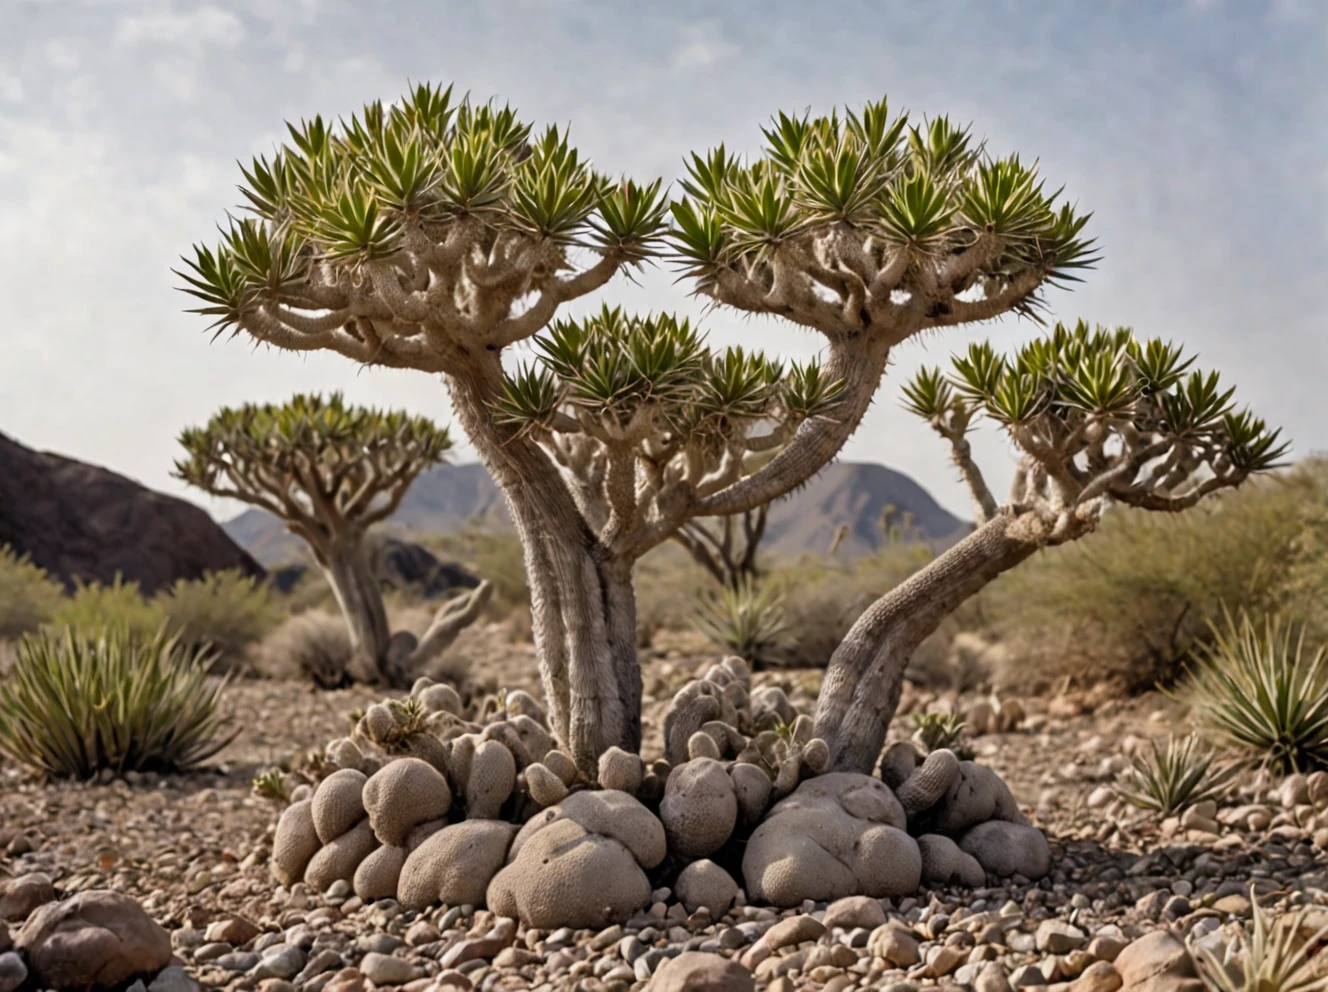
(705, 46)
(193, 31)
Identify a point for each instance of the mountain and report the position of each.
(84, 523)
(843, 493)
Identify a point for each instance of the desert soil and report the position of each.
(193, 848)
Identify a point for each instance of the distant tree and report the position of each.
(331, 471)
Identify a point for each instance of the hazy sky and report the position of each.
(1196, 132)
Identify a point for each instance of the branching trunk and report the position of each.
(357, 592)
(866, 673)
(583, 607)
(731, 566)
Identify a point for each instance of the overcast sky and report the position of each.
(1197, 133)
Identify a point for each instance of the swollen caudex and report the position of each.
(437, 801)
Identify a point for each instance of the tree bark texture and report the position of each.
(866, 673)
(583, 606)
(347, 568)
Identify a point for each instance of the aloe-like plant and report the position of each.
(1258, 690)
(1169, 778)
(78, 702)
(747, 621)
(1280, 955)
(331, 471)
(935, 731)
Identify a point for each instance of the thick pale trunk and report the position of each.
(866, 673)
(583, 606)
(357, 592)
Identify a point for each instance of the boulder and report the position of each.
(836, 835)
(403, 794)
(977, 794)
(704, 883)
(84, 523)
(20, 896)
(943, 863)
(1004, 849)
(609, 813)
(455, 864)
(93, 939)
(565, 876)
(699, 971)
(699, 809)
(1157, 962)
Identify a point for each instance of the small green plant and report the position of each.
(935, 731)
(746, 621)
(1169, 779)
(1277, 957)
(76, 703)
(28, 596)
(121, 605)
(227, 611)
(1257, 690)
(270, 785)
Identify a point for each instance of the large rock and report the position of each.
(20, 896)
(699, 809)
(86, 523)
(836, 835)
(455, 864)
(93, 939)
(1003, 848)
(977, 794)
(1158, 962)
(565, 876)
(609, 813)
(697, 971)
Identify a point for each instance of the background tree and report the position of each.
(434, 236)
(1098, 417)
(727, 547)
(331, 471)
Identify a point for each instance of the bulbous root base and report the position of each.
(437, 802)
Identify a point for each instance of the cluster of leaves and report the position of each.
(1073, 377)
(1168, 779)
(611, 366)
(76, 703)
(935, 731)
(930, 189)
(1257, 689)
(322, 444)
(747, 621)
(354, 194)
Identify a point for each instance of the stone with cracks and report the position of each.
(93, 939)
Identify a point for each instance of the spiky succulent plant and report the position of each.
(1259, 690)
(747, 621)
(1169, 778)
(935, 731)
(1282, 954)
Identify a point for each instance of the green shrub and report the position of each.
(935, 731)
(1169, 779)
(1257, 690)
(1133, 601)
(94, 607)
(75, 703)
(226, 611)
(747, 621)
(28, 596)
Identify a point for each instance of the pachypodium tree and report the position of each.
(1098, 417)
(435, 236)
(331, 471)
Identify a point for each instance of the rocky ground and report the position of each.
(192, 850)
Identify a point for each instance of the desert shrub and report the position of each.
(28, 596)
(227, 611)
(75, 703)
(1259, 691)
(1280, 955)
(1168, 779)
(747, 621)
(121, 605)
(314, 644)
(1131, 602)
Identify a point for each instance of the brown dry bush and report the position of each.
(1130, 603)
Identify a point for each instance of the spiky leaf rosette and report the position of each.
(643, 416)
(407, 234)
(868, 222)
(317, 462)
(1098, 415)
